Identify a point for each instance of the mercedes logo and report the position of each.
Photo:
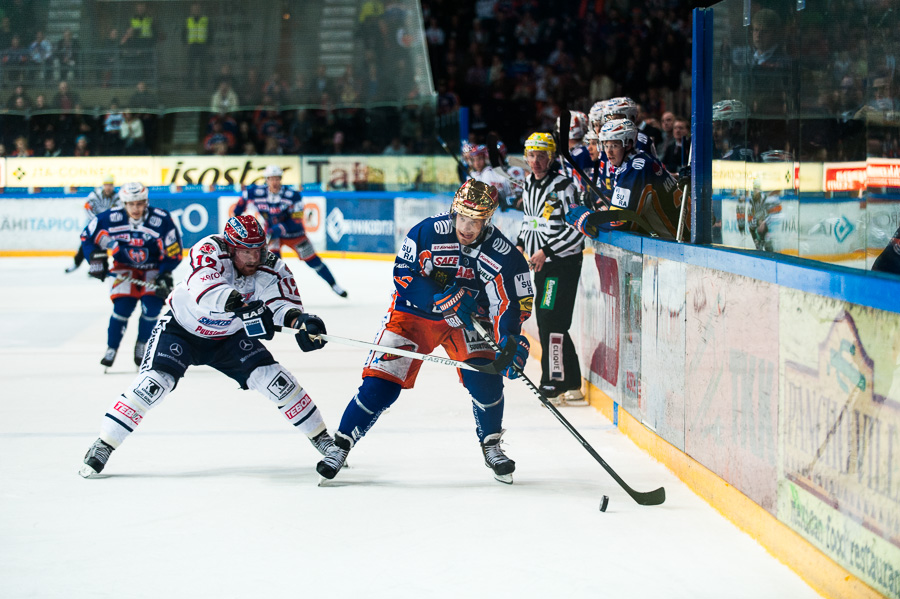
(246, 344)
(175, 349)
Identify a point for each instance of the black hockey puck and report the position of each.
(604, 502)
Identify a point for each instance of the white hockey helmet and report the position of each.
(729, 110)
(133, 192)
(591, 136)
(578, 124)
(273, 170)
(595, 116)
(624, 106)
(619, 130)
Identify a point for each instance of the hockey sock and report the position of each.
(317, 265)
(375, 395)
(487, 401)
(150, 308)
(122, 309)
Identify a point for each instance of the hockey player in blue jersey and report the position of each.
(146, 247)
(640, 183)
(621, 108)
(282, 210)
(451, 268)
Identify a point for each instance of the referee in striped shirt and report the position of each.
(554, 251)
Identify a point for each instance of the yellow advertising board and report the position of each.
(77, 172)
(222, 170)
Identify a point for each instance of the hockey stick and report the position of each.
(129, 279)
(684, 200)
(655, 497)
(452, 154)
(621, 214)
(494, 367)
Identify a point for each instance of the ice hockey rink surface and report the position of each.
(215, 495)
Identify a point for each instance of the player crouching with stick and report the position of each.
(449, 267)
(236, 293)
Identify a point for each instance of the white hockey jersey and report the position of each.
(198, 302)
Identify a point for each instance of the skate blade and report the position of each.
(506, 479)
(87, 472)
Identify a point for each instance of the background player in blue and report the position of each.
(282, 210)
(146, 247)
(450, 266)
(640, 183)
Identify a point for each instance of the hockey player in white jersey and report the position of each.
(236, 293)
(100, 199)
(480, 170)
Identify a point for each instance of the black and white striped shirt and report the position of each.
(544, 225)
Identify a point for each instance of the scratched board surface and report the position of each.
(731, 411)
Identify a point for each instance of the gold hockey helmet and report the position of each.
(475, 199)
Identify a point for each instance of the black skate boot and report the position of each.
(95, 459)
(109, 357)
(496, 460)
(334, 460)
(139, 348)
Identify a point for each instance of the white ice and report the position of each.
(215, 496)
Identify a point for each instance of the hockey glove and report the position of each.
(163, 284)
(577, 216)
(257, 319)
(684, 175)
(309, 325)
(456, 304)
(518, 362)
(98, 266)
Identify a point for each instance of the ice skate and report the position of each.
(139, 348)
(73, 267)
(339, 290)
(573, 397)
(553, 394)
(323, 442)
(496, 460)
(336, 457)
(95, 459)
(109, 357)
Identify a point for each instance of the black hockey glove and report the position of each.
(163, 284)
(98, 266)
(684, 175)
(308, 326)
(257, 319)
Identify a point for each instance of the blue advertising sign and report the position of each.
(358, 222)
(195, 213)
